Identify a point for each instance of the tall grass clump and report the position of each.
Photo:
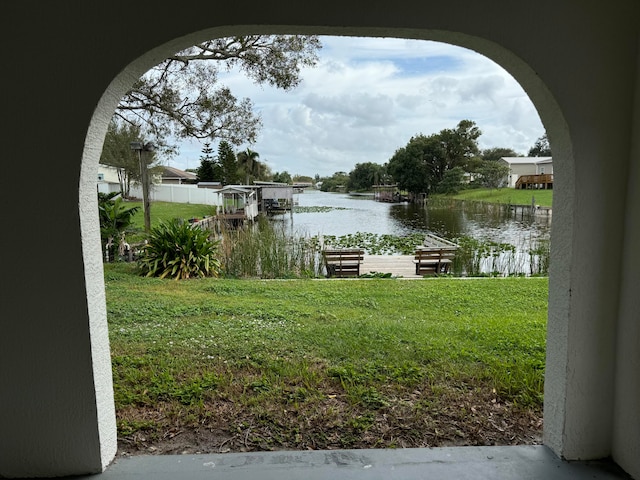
(266, 250)
(539, 257)
(481, 257)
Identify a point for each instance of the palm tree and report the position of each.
(248, 160)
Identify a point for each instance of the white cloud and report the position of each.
(368, 96)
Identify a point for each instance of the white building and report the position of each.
(519, 166)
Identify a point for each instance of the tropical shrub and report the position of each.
(116, 219)
(179, 250)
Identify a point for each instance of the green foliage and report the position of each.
(210, 169)
(282, 177)
(115, 216)
(365, 175)
(496, 153)
(249, 164)
(266, 250)
(302, 179)
(117, 152)
(336, 183)
(492, 174)
(376, 244)
(179, 250)
(540, 254)
(229, 163)
(451, 182)
(421, 166)
(182, 97)
(541, 148)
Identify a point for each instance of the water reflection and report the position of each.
(448, 219)
(478, 228)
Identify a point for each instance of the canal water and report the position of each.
(338, 214)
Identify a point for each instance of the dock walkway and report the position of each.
(397, 265)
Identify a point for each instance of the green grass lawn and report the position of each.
(219, 365)
(165, 211)
(511, 196)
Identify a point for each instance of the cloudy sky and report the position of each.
(367, 97)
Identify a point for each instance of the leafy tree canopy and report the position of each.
(422, 164)
(181, 97)
(492, 174)
(496, 153)
(541, 148)
(335, 183)
(365, 175)
(117, 152)
(229, 163)
(302, 179)
(250, 165)
(210, 169)
(282, 177)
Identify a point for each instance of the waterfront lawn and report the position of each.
(215, 365)
(165, 211)
(544, 198)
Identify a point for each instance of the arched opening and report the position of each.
(549, 112)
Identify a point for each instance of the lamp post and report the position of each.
(144, 179)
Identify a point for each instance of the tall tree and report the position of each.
(423, 163)
(365, 175)
(248, 162)
(282, 177)
(492, 174)
(541, 148)
(228, 162)
(410, 166)
(335, 183)
(117, 152)
(210, 169)
(460, 145)
(496, 153)
(181, 97)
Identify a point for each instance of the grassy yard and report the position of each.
(217, 365)
(163, 212)
(511, 196)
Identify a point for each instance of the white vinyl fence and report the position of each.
(169, 193)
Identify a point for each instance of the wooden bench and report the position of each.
(343, 262)
(433, 260)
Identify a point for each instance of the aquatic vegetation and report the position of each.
(316, 209)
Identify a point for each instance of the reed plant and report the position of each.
(266, 249)
(482, 257)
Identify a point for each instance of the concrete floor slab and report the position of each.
(495, 463)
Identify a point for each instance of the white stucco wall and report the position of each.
(56, 410)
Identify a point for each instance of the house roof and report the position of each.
(171, 172)
(525, 160)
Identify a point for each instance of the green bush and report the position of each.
(179, 250)
(116, 219)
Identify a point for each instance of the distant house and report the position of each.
(526, 166)
(175, 176)
(161, 175)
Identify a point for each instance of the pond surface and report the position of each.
(323, 214)
(449, 219)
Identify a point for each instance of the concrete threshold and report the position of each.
(496, 463)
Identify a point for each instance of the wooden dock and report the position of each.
(396, 265)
